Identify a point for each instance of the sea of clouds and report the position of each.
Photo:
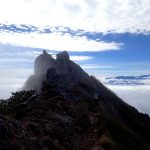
(135, 95)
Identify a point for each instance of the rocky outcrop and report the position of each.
(62, 66)
(63, 56)
(42, 63)
(72, 111)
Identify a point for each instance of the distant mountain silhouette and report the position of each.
(63, 108)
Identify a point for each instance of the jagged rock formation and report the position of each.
(62, 66)
(73, 111)
(42, 63)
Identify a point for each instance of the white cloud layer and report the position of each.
(91, 15)
(80, 58)
(12, 80)
(137, 96)
(56, 41)
(73, 58)
(30, 55)
(94, 66)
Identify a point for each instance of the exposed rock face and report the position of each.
(42, 63)
(63, 56)
(62, 66)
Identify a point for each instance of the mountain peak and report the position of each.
(45, 52)
(73, 111)
(71, 72)
(42, 63)
(63, 56)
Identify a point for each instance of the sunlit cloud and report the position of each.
(137, 96)
(94, 66)
(108, 16)
(129, 80)
(12, 79)
(55, 41)
(30, 55)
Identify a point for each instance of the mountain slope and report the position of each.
(72, 111)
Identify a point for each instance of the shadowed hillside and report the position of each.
(66, 109)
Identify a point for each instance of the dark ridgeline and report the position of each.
(66, 109)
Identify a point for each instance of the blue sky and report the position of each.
(105, 37)
(131, 57)
(112, 40)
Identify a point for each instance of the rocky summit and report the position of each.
(45, 67)
(61, 107)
